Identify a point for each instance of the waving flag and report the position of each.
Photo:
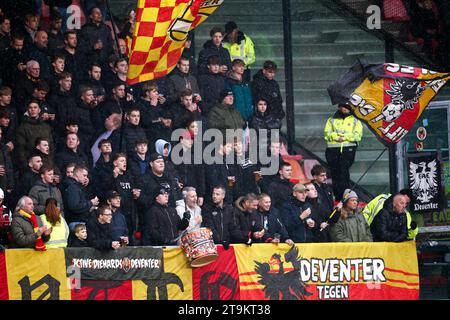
(388, 97)
(160, 33)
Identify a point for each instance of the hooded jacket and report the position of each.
(351, 227)
(211, 86)
(224, 117)
(269, 90)
(40, 192)
(182, 81)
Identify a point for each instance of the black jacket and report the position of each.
(131, 134)
(209, 50)
(162, 225)
(246, 222)
(192, 174)
(270, 91)
(297, 229)
(319, 214)
(76, 202)
(220, 221)
(325, 196)
(388, 225)
(264, 120)
(64, 103)
(272, 225)
(280, 191)
(211, 86)
(99, 235)
(66, 156)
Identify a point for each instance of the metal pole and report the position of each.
(116, 39)
(389, 57)
(289, 78)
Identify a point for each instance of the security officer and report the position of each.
(376, 204)
(342, 132)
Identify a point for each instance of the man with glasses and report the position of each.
(99, 230)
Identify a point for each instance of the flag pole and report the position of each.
(116, 39)
(354, 184)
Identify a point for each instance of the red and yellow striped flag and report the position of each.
(160, 33)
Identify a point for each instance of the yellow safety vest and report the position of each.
(244, 51)
(376, 204)
(59, 235)
(350, 128)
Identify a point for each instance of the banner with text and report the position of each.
(258, 272)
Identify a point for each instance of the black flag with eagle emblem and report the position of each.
(388, 97)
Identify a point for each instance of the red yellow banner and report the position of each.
(325, 271)
(160, 33)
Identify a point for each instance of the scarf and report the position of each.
(39, 245)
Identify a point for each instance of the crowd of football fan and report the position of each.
(85, 159)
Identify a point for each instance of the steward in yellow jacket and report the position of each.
(376, 204)
(240, 46)
(343, 131)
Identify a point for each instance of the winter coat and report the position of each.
(99, 235)
(211, 86)
(90, 33)
(209, 50)
(182, 81)
(26, 136)
(162, 225)
(354, 228)
(118, 226)
(86, 129)
(224, 117)
(243, 99)
(66, 156)
(325, 195)
(279, 190)
(191, 174)
(137, 166)
(40, 192)
(76, 202)
(246, 222)
(269, 90)
(220, 221)
(149, 182)
(388, 225)
(217, 174)
(272, 225)
(41, 55)
(319, 214)
(297, 228)
(265, 120)
(7, 180)
(23, 234)
(131, 134)
(65, 104)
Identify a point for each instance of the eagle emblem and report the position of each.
(404, 94)
(423, 180)
(281, 285)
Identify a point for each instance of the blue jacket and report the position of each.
(243, 99)
(290, 216)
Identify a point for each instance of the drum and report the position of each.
(199, 247)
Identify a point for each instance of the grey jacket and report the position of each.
(23, 235)
(40, 192)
